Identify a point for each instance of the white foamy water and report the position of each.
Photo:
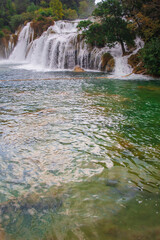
(62, 47)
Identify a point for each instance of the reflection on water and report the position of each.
(79, 158)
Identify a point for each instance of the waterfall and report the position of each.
(24, 41)
(121, 62)
(62, 47)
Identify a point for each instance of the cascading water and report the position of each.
(24, 42)
(60, 47)
(63, 47)
(121, 62)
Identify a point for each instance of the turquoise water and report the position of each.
(79, 156)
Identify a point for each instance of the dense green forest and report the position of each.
(118, 21)
(16, 12)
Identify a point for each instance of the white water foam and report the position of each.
(61, 48)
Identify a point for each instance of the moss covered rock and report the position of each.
(107, 62)
(40, 26)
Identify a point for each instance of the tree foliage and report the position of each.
(93, 32)
(151, 56)
(70, 14)
(1, 34)
(112, 29)
(145, 17)
(14, 12)
(57, 9)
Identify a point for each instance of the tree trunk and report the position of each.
(122, 46)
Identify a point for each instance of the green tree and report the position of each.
(44, 4)
(10, 8)
(83, 9)
(151, 56)
(1, 34)
(93, 32)
(145, 17)
(32, 7)
(21, 6)
(113, 27)
(45, 12)
(70, 14)
(57, 9)
(113, 22)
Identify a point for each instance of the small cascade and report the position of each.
(122, 67)
(24, 41)
(8, 50)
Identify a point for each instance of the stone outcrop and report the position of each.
(107, 62)
(135, 62)
(78, 69)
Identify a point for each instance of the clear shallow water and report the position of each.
(79, 156)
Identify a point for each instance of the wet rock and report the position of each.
(135, 62)
(78, 69)
(107, 62)
(30, 204)
(110, 65)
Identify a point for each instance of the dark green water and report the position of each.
(79, 157)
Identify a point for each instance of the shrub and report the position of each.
(32, 7)
(83, 9)
(17, 20)
(151, 56)
(43, 4)
(57, 9)
(1, 22)
(1, 34)
(44, 12)
(6, 29)
(93, 33)
(40, 26)
(70, 14)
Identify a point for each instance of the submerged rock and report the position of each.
(111, 183)
(78, 69)
(31, 204)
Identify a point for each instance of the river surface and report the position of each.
(79, 156)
